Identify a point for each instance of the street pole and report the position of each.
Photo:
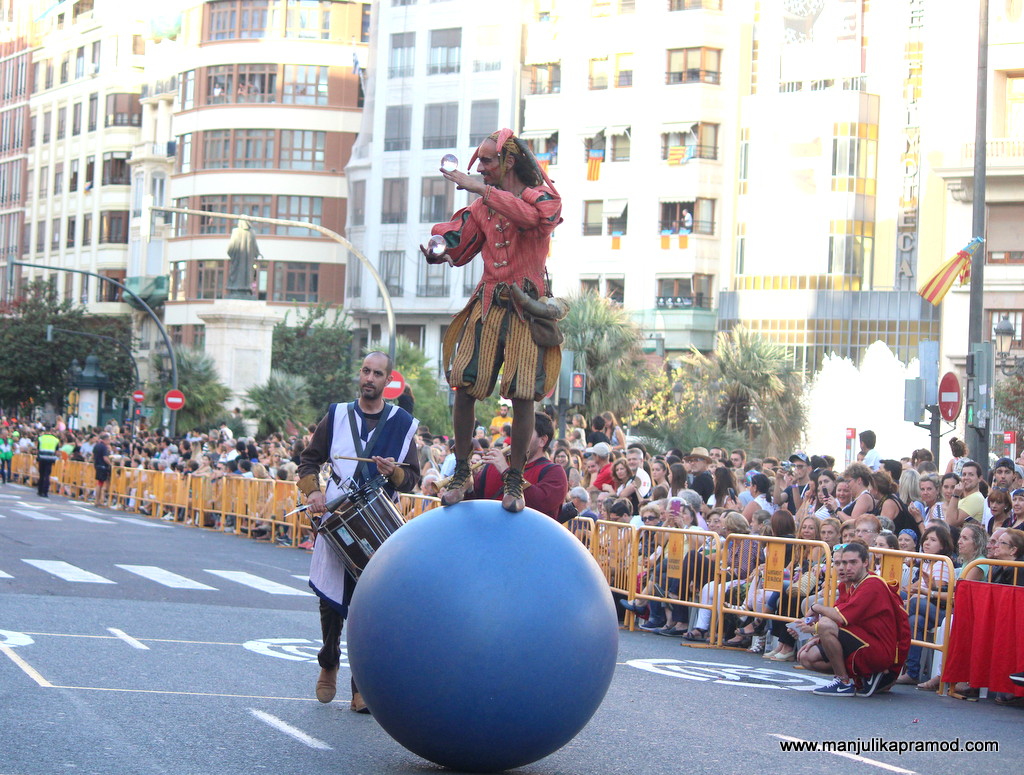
(389, 310)
(978, 434)
(149, 311)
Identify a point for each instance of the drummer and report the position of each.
(368, 428)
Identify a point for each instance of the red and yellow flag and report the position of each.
(594, 159)
(935, 290)
(544, 161)
(679, 154)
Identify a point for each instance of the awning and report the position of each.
(679, 126)
(613, 208)
(592, 131)
(618, 129)
(536, 134)
(672, 199)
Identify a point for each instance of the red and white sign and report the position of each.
(1010, 437)
(851, 433)
(138, 396)
(395, 387)
(950, 397)
(174, 400)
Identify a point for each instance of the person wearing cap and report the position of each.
(509, 325)
(703, 482)
(600, 466)
(789, 488)
(1003, 473)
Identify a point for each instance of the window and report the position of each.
(487, 44)
(599, 73)
(543, 79)
(46, 126)
(40, 236)
(44, 181)
(72, 227)
(49, 73)
(398, 128)
(357, 202)
(694, 65)
(94, 102)
(76, 119)
(299, 208)
(231, 19)
(741, 248)
(73, 175)
(184, 149)
(302, 149)
(138, 45)
(90, 170)
(393, 207)
(309, 19)
(257, 83)
(704, 216)
(58, 178)
(620, 147)
(364, 27)
(401, 55)
(257, 205)
(209, 224)
(254, 148)
(390, 269)
(304, 85)
(445, 51)
(615, 289)
(62, 123)
(436, 200)
(114, 227)
(55, 234)
(694, 5)
(94, 57)
(483, 119)
(80, 62)
(617, 213)
(354, 277)
(187, 93)
(123, 110)
(65, 67)
(433, 280)
(217, 149)
(182, 222)
(1016, 318)
(210, 279)
(32, 122)
(623, 70)
(850, 246)
(698, 141)
(219, 82)
(592, 221)
(676, 218)
(440, 125)
(177, 289)
(296, 281)
(590, 285)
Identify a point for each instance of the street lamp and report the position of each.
(677, 391)
(1005, 333)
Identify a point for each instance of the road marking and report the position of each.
(143, 523)
(30, 671)
(35, 515)
(288, 729)
(33, 505)
(68, 572)
(5, 575)
(183, 694)
(165, 577)
(853, 756)
(258, 582)
(122, 635)
(86, 518)
(87, 511)
(14, 497)
(300, 577)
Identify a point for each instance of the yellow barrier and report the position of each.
(675, 565)
(583, 528)
(412, 505)
(614, 548)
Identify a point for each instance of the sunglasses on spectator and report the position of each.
(651, 519)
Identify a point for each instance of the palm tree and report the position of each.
(607, 346)
(204, 393)
(282, 398)
(762, 393)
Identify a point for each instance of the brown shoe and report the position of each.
(931, 685)
(358, 706)
(513, 500)
(460, 482)
(906, 680)
(327, 684)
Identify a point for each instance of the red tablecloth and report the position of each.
(986, 644)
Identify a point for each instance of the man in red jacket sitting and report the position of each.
(548, 484)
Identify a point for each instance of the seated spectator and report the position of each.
(428, 485)
(864, 637)
(829, 530)
(1008, 546)
(1000, 505)
(971, 546)
(926, 596)
(848, 531)
(867, 529)
(891, 506)
(930, 508)
(761, 524)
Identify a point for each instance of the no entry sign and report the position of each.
(138, 396)
(174, 400)
(395, 387)
(950, 397)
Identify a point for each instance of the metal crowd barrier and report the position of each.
(583, 528)
(412, 505)
(614, 548)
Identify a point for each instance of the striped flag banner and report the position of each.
(544, 161)
(959, 266)
(594, 159)
(680, 154)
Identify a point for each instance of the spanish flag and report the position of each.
(594, 159)
(935, 290)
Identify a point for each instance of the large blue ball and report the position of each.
(482, 640)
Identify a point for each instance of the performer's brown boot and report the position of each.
(460, 482)
(327, 684)
(357, 705)
(513, 500)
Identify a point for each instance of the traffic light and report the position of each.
(979, 384)
(578, 388)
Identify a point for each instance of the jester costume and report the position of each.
(491, 334)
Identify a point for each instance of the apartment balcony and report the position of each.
(154, 152)
(166, 88)
(152, 290)
(680, 323)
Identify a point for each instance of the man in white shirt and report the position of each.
(872, 459)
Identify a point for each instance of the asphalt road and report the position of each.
(129, 645)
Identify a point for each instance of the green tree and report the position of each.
(34, 370)
(282, 398)
(318, 346)
(762, 394)
(607, 346)
(204, 393)
(431, 397)
(1009, 400)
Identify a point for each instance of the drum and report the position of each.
(360, 525)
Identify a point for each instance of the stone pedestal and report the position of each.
(239, 336)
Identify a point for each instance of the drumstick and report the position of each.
(362, 459)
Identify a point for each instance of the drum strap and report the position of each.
(362, 472)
